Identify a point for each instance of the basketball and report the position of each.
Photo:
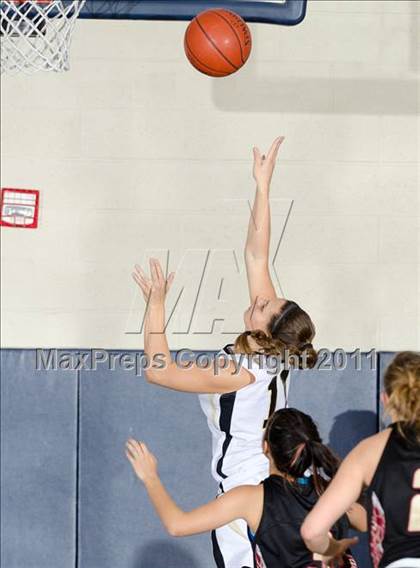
(218, 42)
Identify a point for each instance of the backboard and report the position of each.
(282, 12)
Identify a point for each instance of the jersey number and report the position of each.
(414, 518)
(273, 401)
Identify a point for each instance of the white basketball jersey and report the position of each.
(237, 421)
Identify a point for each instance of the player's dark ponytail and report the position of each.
(324, 465)
(290, 334)
(297, 449)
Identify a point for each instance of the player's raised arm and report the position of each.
(163, 370)
(259, 229)
(242, 502)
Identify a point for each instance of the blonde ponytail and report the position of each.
(402, 385)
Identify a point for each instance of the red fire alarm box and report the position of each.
(19, 208)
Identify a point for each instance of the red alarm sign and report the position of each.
(19, 208)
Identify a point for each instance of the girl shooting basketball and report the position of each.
(273, 510)
(388, 464)
(237, 404)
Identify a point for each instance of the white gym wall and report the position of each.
(136, 153)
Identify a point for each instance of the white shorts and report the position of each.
(231, 545)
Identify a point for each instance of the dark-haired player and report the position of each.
(300, 469)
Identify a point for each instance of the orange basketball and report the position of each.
(218, 42)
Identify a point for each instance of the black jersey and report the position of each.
(394, 501)
(277, 542)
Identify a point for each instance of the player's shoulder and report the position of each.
(244, 493)
(372, 445)
(366, 456)
(248, 489)
(261, 367)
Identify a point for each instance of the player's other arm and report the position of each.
(199, 380)
(259, 228)
(242, 502)
(340, 497)
(357, 516)
(163, 371)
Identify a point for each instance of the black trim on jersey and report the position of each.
(227, 402)
(273, 400)
(217, 553)
(283, 376)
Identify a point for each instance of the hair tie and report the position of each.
(298, 452)
(290, 306)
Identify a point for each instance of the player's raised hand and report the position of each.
(264, 164)
(155, 287)
(143, 461)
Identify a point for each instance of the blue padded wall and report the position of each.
(384, 360)
(344, 404)
(117, 525)
(63, 462)
(38, 464)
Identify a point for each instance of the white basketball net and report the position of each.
(36, 34)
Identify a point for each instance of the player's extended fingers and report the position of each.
(169, 281)
(130, 443)
(154, 271)
(257, 155)
(129, 452)
(134, 448)
(140, 281)
(144, 449)
(272, 153)
(139, 448)
(145, 286)
(141, 275)
(130, 457)
(160, 274)
(140, 271)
